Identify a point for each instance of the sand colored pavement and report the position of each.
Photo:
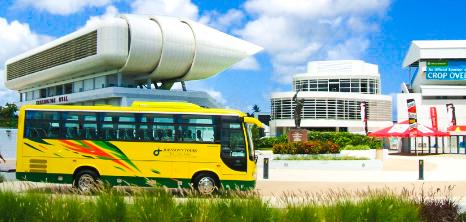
(399, 173)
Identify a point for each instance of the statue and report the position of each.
(298, 108)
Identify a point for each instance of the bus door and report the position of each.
(233, 153)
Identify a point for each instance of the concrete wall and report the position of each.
(8, 143)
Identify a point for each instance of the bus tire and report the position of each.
(206, 183)
(86, 180)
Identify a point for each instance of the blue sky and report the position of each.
(292, 33)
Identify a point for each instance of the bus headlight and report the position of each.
(254, 175)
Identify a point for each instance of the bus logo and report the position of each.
(157, 152)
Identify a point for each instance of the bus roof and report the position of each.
(140, 106)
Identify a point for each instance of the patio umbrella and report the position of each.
(402, 130)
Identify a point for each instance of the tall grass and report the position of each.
(111, 206)
(157, 204)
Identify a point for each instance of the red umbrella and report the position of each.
(402, 130)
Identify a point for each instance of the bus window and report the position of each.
(108, 131)
(145, 133)
(43, 115)
(233, 144)
(70, 131)
(164, 133)
(79, 116)
(196, 119)
(198, 133)
(126, 131)
(88, 131)
(42, 129)
(118, 117)
(231, 126)
(157, 118)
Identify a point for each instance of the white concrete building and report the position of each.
(437, 70)
(332, 91)
(124, 59)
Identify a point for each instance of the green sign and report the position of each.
(437, 63)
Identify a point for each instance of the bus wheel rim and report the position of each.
(206, 185)
(85, 182)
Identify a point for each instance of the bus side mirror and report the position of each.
(261, 132)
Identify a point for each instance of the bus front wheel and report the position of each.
(205, 183)
(86, 180)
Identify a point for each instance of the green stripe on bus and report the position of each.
(138, 181)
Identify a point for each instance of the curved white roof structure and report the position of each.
(158, 48)
(434, 49)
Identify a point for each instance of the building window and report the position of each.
(330, 108)
(354, 85)
(68, 88)
(43, 93)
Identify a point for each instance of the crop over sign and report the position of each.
(446, 70)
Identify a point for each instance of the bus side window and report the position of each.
(107, 132)
(126, 131)
(145, 133)
(70, 131)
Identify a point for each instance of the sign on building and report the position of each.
(446, 70)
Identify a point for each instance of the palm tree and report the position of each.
(256, 108)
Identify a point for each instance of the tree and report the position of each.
(7, 115)
(256, 108)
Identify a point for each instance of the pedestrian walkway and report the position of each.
(399, 172)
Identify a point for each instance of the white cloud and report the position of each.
(349, 49)
(110, 12)
(15, 38)
(249, 63)
(61, 7)
(7, 95)
(178, 8)
(223, 22)
(315, 9)
(199, 85)
(295, 32)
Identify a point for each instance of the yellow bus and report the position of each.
(169, 144)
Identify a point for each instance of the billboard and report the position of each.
(446, 70)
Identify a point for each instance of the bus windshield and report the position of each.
(250, 143)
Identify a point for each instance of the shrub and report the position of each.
(266, 142)
(342, 139)
(310, 147)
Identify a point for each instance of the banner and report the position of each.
(364, 116)
(412, 115)
(451, 114)
(446, 70)
(433, 117)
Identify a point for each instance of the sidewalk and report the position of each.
(399, 172)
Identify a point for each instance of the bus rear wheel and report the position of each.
(86, 180)
(206, 183)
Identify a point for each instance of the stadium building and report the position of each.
(332, 93)
(124, 59)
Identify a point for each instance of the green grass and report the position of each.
(321, 158)
(157, 204)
